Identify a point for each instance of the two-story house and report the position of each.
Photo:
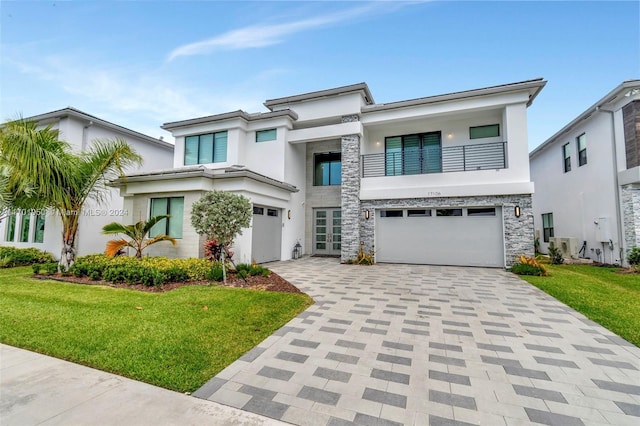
(587, 179)
(436, 180)
(44, 231)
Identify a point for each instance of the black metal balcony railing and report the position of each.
(434, 159)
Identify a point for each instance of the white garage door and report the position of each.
(465, 236)
(266, 239)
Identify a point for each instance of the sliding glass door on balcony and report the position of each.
(413, 154)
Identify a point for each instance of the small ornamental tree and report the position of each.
(221, 216)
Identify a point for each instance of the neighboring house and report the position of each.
(587, 179)
(436, 180)
(44, 231)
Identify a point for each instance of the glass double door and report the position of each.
(327, 231)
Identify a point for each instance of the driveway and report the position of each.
(420, 345)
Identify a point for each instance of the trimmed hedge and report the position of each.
(153, 271)
(12, 256)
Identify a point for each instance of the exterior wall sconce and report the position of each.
(367, 214)
(289, 214)
(517, 211)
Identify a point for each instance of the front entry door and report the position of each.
(327, 231)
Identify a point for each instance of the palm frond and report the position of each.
(159, 238)
(114, 247)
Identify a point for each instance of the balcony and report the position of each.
(434, 159)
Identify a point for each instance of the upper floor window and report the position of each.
(205, 149)
(547, 226)
(566, 157)
(266, 135)
(413, 154)
(173, 206)
(488, 131)
(581, 142)
(327, 169)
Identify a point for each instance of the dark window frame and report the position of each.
(582, 153)
(423, 165)
(481, 211)
(169, 220)
(265, 132)
(484, 127)
(547, 231)
(329, 159)
(391, 213)
(199, 160)
(450, 212)
(566, 157)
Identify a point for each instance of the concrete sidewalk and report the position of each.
(39, 390)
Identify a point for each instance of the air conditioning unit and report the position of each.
(568, 246)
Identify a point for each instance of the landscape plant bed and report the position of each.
(273, 282)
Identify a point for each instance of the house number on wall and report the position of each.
(434, 194)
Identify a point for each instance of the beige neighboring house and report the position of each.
(79, 129)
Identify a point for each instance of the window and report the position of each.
(38, 230)
(272, 212)
(205, 149)
(481, 211)
(25, 222)
(11, 228)
(258, 210)
(391, 213)
(327, 169)
(413, 154)
(266, 135)
(547, 226)
(581, 142)
(488, 131)
(566, 155)
(172, 226)
(418, 213)
(449, 212)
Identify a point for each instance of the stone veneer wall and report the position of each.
(630, 198)
(518, 232)
(350, 194)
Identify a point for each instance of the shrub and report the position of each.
(555, 255)
(215, 273)
(12, 256)
(36, 268)
(50, 268)
(634, 256)
(363, 257)
(529, 266)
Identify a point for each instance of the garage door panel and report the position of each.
(441, 240)
(266, 239)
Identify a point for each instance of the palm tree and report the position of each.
(137, 236)
(58, 178)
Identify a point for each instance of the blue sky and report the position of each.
(142, 63)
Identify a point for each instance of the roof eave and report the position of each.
(336, 91)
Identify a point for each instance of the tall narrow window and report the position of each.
(25, 223)
(581, 142)
(11, 228)
(205, 149)
(547, 226)
(327, 169)
(175, 208)
(38, 231)
(566, 157)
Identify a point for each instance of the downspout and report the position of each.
(615, 182)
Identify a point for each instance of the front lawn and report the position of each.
(177, 340)
(606, 297)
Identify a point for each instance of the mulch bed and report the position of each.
(273, 282)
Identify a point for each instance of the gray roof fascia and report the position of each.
(200, 171)
(536, 84)
(609, 97)
(230, 115)
(76, 113)
(270, 103)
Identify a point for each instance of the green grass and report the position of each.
(608, 298)
(170, 342)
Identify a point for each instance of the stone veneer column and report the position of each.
(350, 192)
(519, 232)
(630, 198)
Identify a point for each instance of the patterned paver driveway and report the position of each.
(419, 345)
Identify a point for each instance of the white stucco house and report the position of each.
(435, 180)
(587, 178)
(44, 231)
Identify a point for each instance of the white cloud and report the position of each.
(255, 36)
